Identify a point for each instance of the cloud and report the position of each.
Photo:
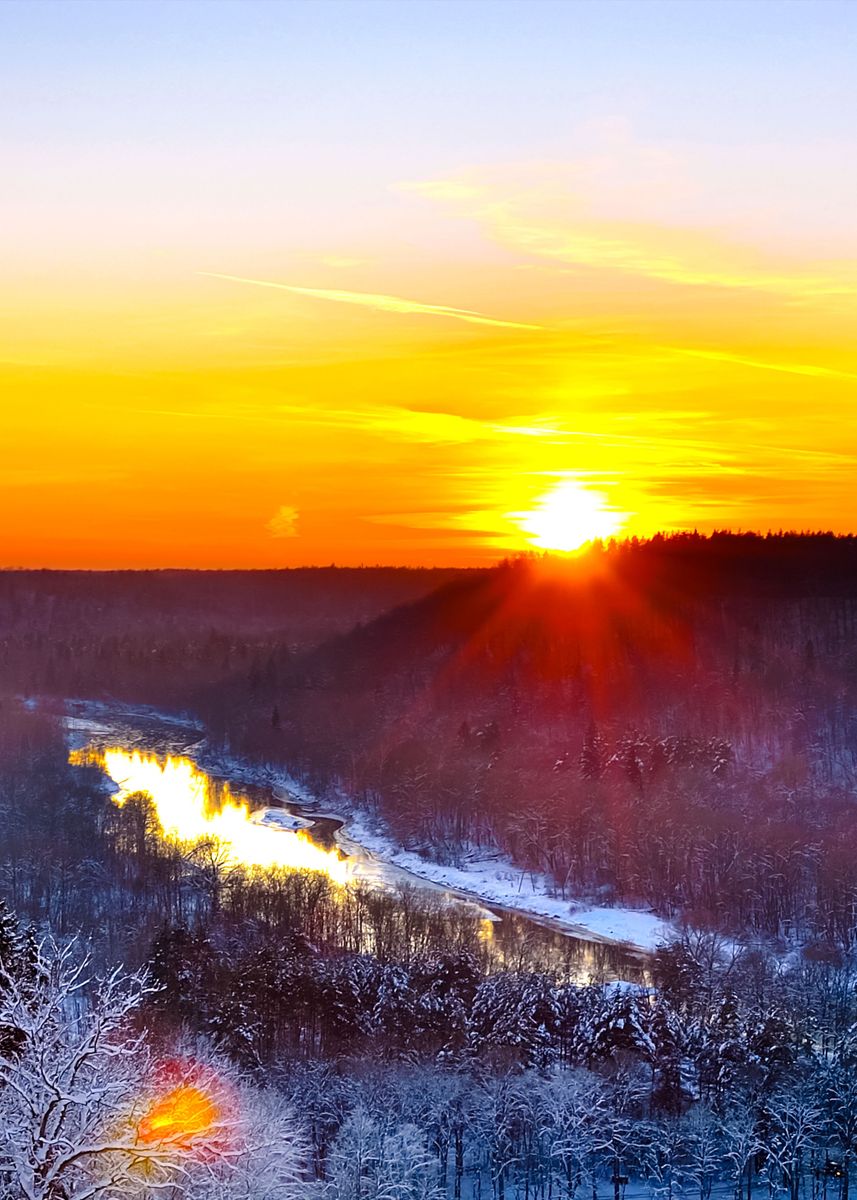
(677, 256)
(421, 426)
(760, 365)
(576, 214)
(379, 301)
(283, 524)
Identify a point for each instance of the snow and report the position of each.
(278, 818)
(84, 725)
(496, 880)
(488, 878)
(113, 709)
(626, 925)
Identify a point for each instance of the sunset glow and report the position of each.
(428, 599)
(245, 330)
(188, 809)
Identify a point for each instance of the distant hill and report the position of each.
(310, 599)
(157, 635)
(659, 721)
(670, 722)
(603, 629)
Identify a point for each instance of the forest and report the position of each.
(670, 723)
(666, 724)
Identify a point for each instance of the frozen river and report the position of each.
(262, 825)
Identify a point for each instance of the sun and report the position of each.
(569, 516)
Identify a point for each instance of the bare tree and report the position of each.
(571, 1106)
(795, 1125)
(373, 1160)
(85, 1112)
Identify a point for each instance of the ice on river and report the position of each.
(278, 818)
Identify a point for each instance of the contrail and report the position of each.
(380, 302)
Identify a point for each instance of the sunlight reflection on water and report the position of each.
(189, 807)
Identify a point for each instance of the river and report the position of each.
(259, 825)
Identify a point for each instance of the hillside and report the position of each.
(671, 722)
(158, 635)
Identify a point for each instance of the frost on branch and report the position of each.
(83, 1111)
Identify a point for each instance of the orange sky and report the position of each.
(293, 331)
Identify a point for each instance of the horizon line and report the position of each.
(512, 556)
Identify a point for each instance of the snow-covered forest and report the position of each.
(171, 1025)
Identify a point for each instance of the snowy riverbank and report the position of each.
(490, 879)
(496, 880)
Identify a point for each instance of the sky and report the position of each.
(421, 283)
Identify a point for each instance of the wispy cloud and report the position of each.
(788, 368)
(670, 255)
(379, 301)
(415, 425)
(284, 522)
(554, 216)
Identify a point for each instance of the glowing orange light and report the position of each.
(179, 1116)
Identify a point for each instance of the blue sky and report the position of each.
(446, 73)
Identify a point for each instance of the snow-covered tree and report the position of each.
(840, 1098)
(263, 1160)
(794, 1125)
(70, 1085)
(665, 1155)
(741, 1145)
(669, 1042)
(572, 1105)
(722, 1052)
(514, 1011)
(371, 1160)
(704, 1152)
(85, 1111)
(443, 1111)
(620, 1027)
